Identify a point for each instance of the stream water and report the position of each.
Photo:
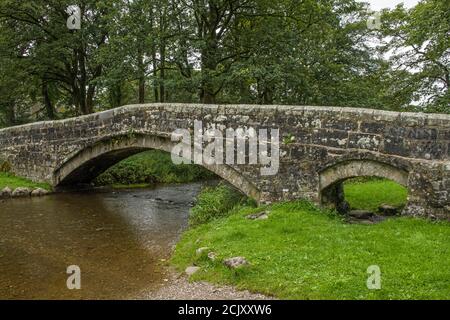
(120, 240)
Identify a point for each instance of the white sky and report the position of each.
(380, 4)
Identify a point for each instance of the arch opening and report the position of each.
(95, 159)
(95, 166)
(364, 185)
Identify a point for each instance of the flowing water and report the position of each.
(120, 240)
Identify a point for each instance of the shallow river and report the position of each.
(119, 239)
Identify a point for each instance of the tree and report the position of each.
(56, 54)
(314, 52)
(420, 45)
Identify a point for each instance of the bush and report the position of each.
(151, 167)
(216, 202)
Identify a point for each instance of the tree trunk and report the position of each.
(141, 89)
(155, 75)
(82, 83)
(49, 109)
(90, 99)
(115, 95)
(207, 92)
(162, 72)
(141, 70)
(268, 94)
(10, 115)
(209, 61)
(207, 97)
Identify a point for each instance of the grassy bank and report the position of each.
(13, 182)
(302, 252)
(150, 167)
(369, 194)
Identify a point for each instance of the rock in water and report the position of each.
(360, 214)
(21, 192)
(388, 210)
(235, 262)
(6, 192)
(39, 192)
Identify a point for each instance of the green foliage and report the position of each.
(301, 252)
(13, 182)
(310, 52)
(216, 202)
(151, 167)
(288, 139)
(420, 42)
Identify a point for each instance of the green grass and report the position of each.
(302, 252)
(216, 202)
(13, 182)
(151, 167)
(369, 195)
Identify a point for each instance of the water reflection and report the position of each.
(117, 238)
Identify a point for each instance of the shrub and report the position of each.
(5, 166)
(216, 202)
(151, 167)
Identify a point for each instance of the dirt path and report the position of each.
(178, 287)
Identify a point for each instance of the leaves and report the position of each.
(314, 52)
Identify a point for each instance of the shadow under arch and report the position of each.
(331, 178)
(94, 159)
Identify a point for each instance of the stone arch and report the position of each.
(331, 178)
(96, 158)
(361, 168)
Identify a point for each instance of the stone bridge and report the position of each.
(320, 148)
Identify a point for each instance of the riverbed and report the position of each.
(121, 241)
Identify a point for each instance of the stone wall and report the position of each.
(315, 141)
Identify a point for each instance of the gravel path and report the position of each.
(178, 287)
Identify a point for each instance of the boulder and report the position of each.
(377, 219)
(39, 192)
(387, 210)
(191, 270)
(21, 192)
(365, 221)
(360, 214)
(235, 262)
(352, 220)
(258, 216)
(6, 192)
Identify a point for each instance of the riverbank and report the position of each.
(13, 182)
(178, 287)
(298, 251)
(16, 187)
